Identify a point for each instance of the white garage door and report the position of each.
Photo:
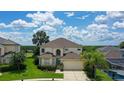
(73, 65)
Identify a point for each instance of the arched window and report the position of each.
(42, 50)
(58, 52)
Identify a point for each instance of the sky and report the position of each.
(83, 27)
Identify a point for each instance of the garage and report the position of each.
(74, 64)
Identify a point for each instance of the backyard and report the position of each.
(31, 72)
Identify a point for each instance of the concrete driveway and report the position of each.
(75, 76)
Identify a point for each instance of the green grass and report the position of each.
(101, 76)
(31, 72)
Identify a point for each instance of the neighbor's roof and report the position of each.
(71, 55)
(7, 42)
(61, 43)
(47, 55)
(118, 62)
(111, 52)
(106, 48)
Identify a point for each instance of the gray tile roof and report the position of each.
(7, 42)
(118, 62)
(47, 55)
(71, 55)
(61, 43)
(111, 52)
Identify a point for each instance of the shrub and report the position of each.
(47, 68)
(102, 76)
(36, 60)
(60, 66)
(12, 68)
(39, 67)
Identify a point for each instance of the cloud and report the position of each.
(110, 15)
(115, 14)
(2, 25)
(97, 27)
(82, 17)
(92, 33)
(118, 24)
(101, 19)
(45, 28)
(47, 18)
(69, 14)
(19, 37)
(20, 24)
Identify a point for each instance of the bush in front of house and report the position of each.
(102, 76)
(36, 60)
(47, 68)
(7, 68)
(60, 66)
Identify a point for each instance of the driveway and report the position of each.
(75, 76)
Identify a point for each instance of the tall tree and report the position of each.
(94, 59)
(40, 38)
(121, 45)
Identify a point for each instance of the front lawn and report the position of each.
(31, 72)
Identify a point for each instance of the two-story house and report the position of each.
(6, 48)
(67, 51)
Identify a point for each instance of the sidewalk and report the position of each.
(43, 79)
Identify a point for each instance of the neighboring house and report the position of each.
(65, 50)
(111, 52)
(114, 56)
(6, 48)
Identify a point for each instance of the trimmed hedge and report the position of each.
(47, 68)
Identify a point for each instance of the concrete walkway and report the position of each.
(75, 76)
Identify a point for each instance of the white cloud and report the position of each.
(2, 25)
(20, 24)
(115, 14)
(83, 17)
(45, 18)
(118, 24)
(93, 33)
(69, 14)
(19, 37)
(101, 19)
(45, 28)
(97, 27)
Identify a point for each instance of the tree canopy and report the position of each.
(40, 38)
(93, 60)
(121, 45)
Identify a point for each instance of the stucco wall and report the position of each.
(51, 61)
(75, 50)
(14, 48)
(53, 50)
(1, 50)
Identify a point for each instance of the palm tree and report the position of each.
(40, 37)
(93, 60)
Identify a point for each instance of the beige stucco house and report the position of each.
(67, 51)
(6, 47)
